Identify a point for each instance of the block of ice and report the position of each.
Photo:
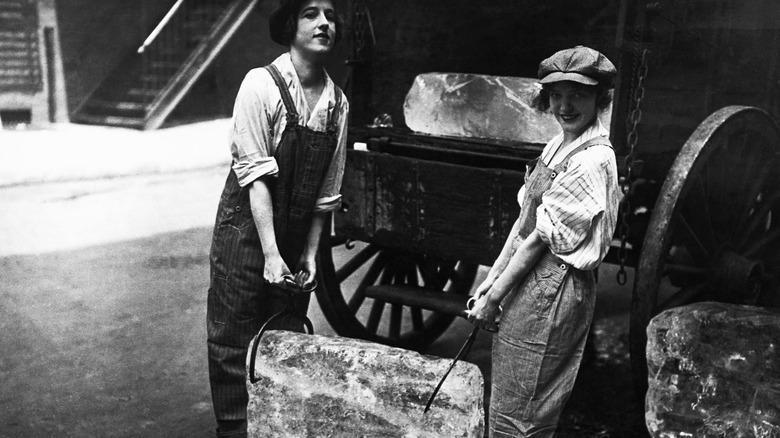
(481, 106)
(714, 371)
(319, 386)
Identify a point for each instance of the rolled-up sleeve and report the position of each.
(571, 205)
(253, 129)
(330, 193)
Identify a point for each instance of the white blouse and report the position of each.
(259, 119)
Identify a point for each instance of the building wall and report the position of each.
(38, 103)
(497, 37)
(704, 55)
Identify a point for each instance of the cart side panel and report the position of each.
(447, 210)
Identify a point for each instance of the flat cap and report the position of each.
(578, 64)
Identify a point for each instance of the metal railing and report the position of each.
(166, 48)
(160, 26)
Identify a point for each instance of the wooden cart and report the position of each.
(692, 123)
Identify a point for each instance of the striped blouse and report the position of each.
(578, 214)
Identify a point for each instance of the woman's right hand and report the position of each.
(275, 270)
(484, 286)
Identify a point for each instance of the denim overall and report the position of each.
(239, 300)
(544, 326)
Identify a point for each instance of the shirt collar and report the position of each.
(284, 63)
(594, 130)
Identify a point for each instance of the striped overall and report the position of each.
(239, 300)
(544, 326)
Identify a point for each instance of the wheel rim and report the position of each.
(715, 228)
(343, 301)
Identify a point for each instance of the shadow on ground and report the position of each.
(110, 341)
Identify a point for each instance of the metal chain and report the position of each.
(634, 117)
(363, 32)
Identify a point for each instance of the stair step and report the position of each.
(151, 78)
(142, 92)
(6, 63)
(6, 35)
(17, 54)
(127, 122)
(10, 71)
(15, 81)
(116, 105)
(9, 15)
(164, 65)
(14, 45)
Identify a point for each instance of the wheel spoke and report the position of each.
(689, 230)
(684, 296)
(376, 314)
(445, 272)
(456, 276)
(673, 268)
(417, 319)
(356, 262)
(429, 276)
(757, 247)
(757, 219)
(356, 300)
(396, 313)
(396, 310)
(705, 219)
(747, 199)
(379, 306)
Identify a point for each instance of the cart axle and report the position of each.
(412, 296)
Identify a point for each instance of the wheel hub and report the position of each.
(737, 278)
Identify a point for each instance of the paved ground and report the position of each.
(71, 152)
(102, 305)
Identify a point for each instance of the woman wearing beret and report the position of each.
(544, 275)
(288, 145)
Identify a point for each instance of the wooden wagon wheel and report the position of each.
(714, 234)
(343, 299)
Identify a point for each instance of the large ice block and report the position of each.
(481, 106)
(714, 371)
(319, 386)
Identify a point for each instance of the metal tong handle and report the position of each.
(284, 312)
(464, 350)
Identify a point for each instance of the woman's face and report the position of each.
(573, 105)
(316, 27)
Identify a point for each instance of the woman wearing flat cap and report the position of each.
(288, 145)
(544, 275)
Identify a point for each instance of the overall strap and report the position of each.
(292, 114)
(333, 123)
(595, 141)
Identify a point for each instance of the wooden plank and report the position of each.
(356, 215)
(448, 210)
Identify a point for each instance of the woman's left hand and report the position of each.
(484, 313)
(307, 273)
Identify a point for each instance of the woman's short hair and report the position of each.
(541, 101)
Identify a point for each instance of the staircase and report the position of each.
(20, 68)
(144, 89)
